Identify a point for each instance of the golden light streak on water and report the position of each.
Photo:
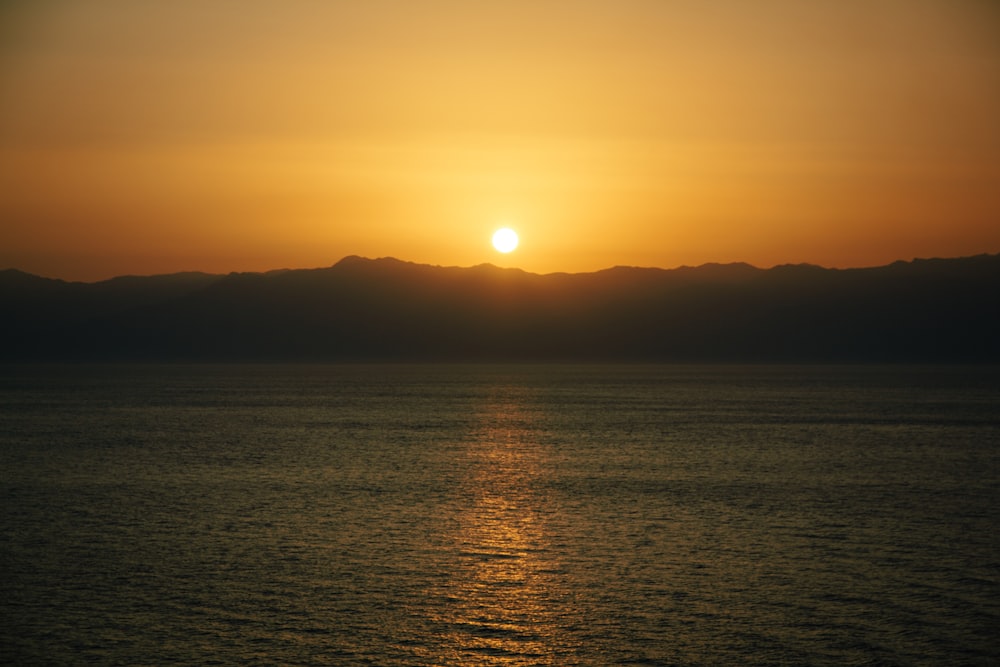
(505, 580)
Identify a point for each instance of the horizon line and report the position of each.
(389, 258)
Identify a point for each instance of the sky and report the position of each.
(142, 137)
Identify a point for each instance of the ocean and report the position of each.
(499, 515)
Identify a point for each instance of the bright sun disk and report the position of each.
(505, 239)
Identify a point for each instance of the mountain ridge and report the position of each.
(386, 309)
(359, 260)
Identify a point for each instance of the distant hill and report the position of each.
(935, 310)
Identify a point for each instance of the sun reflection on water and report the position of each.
(504, 595)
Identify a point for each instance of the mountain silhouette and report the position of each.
(934, 310)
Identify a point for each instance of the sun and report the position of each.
(505, 239)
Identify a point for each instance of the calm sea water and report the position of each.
(498, 515)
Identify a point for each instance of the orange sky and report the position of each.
(141, 137)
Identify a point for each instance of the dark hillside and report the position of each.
(941, 310)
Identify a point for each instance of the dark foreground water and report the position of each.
(496, 515)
